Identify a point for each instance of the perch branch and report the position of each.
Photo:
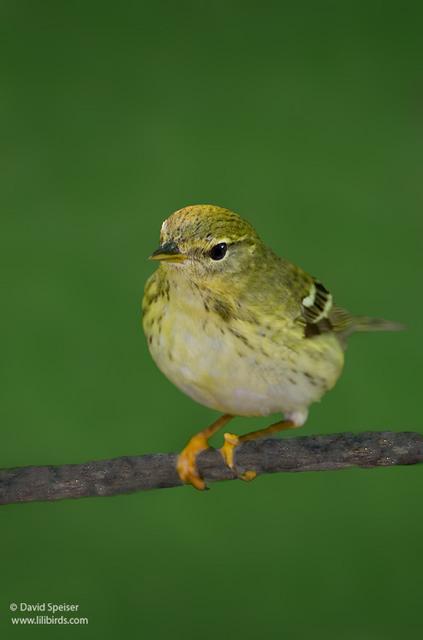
(153, 471)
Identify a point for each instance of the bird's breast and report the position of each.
(233, 365)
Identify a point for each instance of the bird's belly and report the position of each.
(219, 369)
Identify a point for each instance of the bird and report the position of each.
(240, 329)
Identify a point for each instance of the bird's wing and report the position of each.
(316, 311)
(316, 305)
(318, 314)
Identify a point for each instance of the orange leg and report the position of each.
(187, 459)
(232, 441)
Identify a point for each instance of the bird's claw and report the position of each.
(186, 465)
(228, 449)
(232, 441)
(247, 476)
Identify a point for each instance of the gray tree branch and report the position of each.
(157, 471)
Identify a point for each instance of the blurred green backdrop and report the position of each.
(306, 118)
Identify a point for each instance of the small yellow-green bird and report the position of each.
(239, 329)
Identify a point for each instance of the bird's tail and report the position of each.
(346, 324)
(363, 323)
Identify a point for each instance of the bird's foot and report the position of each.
(233, 441)
(187, 460)
(186, 465)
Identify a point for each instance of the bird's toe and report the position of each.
(186, 465)
(227, 451)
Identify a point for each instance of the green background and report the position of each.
(304, 117)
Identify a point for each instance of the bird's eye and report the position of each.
(218, 251)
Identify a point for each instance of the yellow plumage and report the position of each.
(238, 328)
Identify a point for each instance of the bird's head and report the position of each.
(206, 241)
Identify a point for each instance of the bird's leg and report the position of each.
(232, 441)
(187, 459)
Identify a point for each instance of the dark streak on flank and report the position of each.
(151, 299)
(310, 378)
(223, 310)
(240, 337)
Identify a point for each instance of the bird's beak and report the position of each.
(168, 252)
